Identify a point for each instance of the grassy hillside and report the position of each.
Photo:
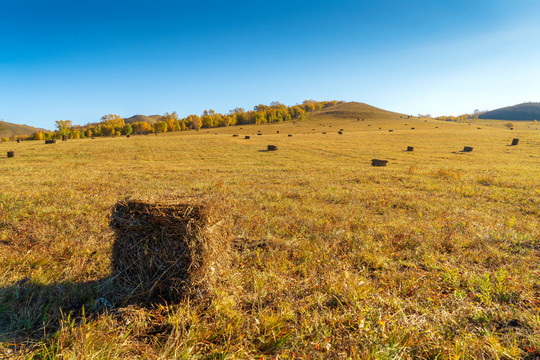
(9, 129)
(434, 256)
(527, 111)
(354, 110)
(152, 119)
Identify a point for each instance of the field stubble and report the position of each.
(433, 256)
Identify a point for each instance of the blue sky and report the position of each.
(80, 60)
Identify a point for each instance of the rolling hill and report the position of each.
(522, 112)
(152, 119)
(9, 129)
(355, 110)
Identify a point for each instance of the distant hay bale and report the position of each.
(10, 154)
(277, 132)
(128, 136)
(235, 135)
(50, 141)
(378, 162)
(259, 134)
(272, 147)
(390, 130)
(410, 148)
(340, 132)
(64, 137)
(170, 247)
(515, 142)
(412, 128)
(324, 132)
(18, 141)
(247, 137)
(510, 129)
(467, 149)
(479, 128)
(290, 135)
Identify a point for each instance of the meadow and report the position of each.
(433, 256)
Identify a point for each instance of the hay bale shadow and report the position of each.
(32, 311)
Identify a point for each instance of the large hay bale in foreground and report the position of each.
(169, 248)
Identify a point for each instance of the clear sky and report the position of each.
(78, 60)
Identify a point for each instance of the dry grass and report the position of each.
(433, 256)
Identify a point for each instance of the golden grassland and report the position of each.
(434, 256)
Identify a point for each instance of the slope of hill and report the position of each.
(139, 118)
(354, 110)
(9, 129)
(526, 111)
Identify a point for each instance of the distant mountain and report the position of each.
(152, 119)
(355, 110)
(527, 111)
(8, 129)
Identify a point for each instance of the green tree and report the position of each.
(64, 127)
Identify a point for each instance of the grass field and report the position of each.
(434, 256)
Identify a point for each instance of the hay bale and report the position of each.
(259, 134)
(510, 129)
(272, 147)
(64, 138)
(412, 128)
(515, 142)
(18, 141)
(235, 135)
(324, 132)
(169, 248)
(247, 137)
(340, 132)
(277, 132)
(10, 154)
(50, 141)
(290, 135)
(378, 162)
(128, 136)
(467, 149)
(410, 148)
(390, 130)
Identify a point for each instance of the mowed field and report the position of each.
(435, 255)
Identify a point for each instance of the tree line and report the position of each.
(114, 125)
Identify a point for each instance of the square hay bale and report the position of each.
(378, 162)
(169, 248)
